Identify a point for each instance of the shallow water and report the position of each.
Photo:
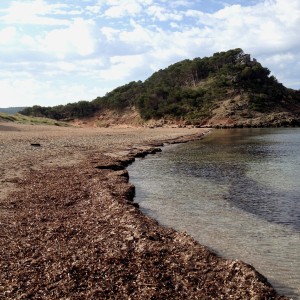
(235, 191)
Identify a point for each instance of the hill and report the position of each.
(11, 110)
(22, 119)
(228, 89)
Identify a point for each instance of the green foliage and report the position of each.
(62, 112)
(120, 97)
(20, 118)
(188, 89)
(259, 102)
(7, 117)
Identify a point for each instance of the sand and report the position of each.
(69, 227)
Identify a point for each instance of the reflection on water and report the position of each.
(236, 191)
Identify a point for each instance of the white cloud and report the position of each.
(76, 39)
(122, 67)
(162, 14)
(32, 12)
(124, 40)
(47, 93)
(110, 34)
(115, 12)
(66, 66)
(8, 35)
(281, 58)
(287, 14)
(13, 89)
(139, 35)
(28, 41)
(180, 3)
(259, 29)
(130, 8)
(269, 26)
(125, 2)
(175, 25)
(94, 9)
(285, 66)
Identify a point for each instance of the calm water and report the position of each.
(237, 192)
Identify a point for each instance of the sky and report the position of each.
(57, 52)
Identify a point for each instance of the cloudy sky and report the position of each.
(56, 52)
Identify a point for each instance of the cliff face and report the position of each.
(227, 89)
(237, 112)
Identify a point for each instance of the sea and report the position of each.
(237, 191)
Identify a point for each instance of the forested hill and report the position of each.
(227, 89)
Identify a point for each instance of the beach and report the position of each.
(70, 228)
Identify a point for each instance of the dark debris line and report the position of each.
(73, 233)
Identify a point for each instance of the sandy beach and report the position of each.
(69, 227)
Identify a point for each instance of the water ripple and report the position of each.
(237, 192)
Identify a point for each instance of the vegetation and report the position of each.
(19, 118)
(187, 90)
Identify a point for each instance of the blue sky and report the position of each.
(56, 52)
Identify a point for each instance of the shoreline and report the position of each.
(71, 229)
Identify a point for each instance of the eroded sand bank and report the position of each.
(70, 230)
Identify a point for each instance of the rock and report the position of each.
(113, 167)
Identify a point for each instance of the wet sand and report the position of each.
(69, 228)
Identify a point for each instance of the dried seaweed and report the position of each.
(73, 233)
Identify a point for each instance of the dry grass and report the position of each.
(21, 119)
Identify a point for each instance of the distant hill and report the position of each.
(12, 110)
(228, 89)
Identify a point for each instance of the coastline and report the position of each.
(70, 228)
